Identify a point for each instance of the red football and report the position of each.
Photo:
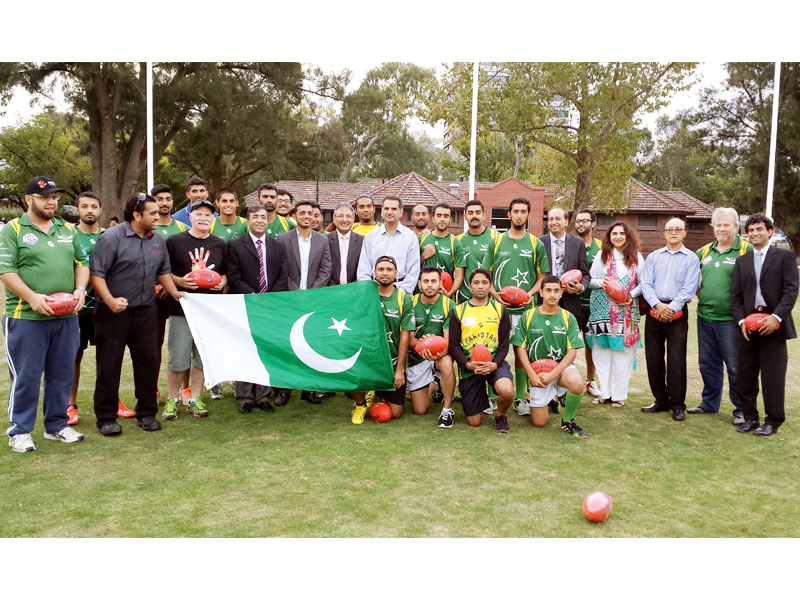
(755, 322)
(675, 316)
(205, 278)
(616, 291)
(161, 293)
(570, 276)
(435, 344)
(447, 281)
(544, 365)
(62, 303)
(480, 353)
(514, 295)
(380, 412)
(597, 507)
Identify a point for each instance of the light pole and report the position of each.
(307, 145)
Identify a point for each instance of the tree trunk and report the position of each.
(518, 154)
(361, 158)
(104, 159)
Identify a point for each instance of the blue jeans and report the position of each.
(717, 344)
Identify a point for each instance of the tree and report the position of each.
(399, 153)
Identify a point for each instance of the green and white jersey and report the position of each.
(547, 336)
(516, 262)
(229, 232)
(476, 248)
(429, 318)
(591, 252)
(449, 252)
(280, 225)
(398, 315)
(88, 240)
(171, 229)
(716, 271)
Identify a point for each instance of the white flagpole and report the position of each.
(773, 138)
(150, 166)
(473, 135)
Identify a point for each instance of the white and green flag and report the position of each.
(328, 339)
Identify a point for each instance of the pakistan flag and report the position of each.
(327, 339)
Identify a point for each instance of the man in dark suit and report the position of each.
(344, 243)
(308, 257)
(256, 265)
(764, 281)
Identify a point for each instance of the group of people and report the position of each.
(129, 280)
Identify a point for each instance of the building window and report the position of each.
(648, 221)
(696, 225)
(456, 216)
(327, 216)
(500, 220)
(603, 221)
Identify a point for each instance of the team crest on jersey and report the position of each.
(445, 251)
(30, 238)
(390, 312)
(559, 330)
(525, 253)
(437, 319)
(64, 239)
(706, 260)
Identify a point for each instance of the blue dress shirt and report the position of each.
(670, 276)
(402, 245)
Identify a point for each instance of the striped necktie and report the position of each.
(759, 262)
(262, 276)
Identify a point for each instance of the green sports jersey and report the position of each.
(591, 252)
(398, 315)
(449, 252)
(547, 336)
(88, 240)
(475, 249)
(716, 271)
(46, 262)
(429, 318)
(516, 262)
(171, 229)
(229, 232)
(280, 225)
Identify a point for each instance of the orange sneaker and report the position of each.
(185, 395)
(72, 413)
(124, 412)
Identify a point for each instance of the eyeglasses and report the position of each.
(583, 220)
(48, 198)
(673, 230)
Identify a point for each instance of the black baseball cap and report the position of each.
(202, 202)
(44, 186)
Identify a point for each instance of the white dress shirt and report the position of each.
(344, 246)
(263, 239)
(305, 252)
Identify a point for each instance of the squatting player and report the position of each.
(549, 331)
(431, 317)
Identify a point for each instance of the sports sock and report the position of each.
(520, 383)
(573, 400)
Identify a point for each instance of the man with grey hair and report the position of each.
(717, 332)
(345, 246)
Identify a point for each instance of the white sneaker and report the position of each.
(492, 406)
(216, 392)
(523, 408)
(66, 435)
(22, 442)
(592, 388)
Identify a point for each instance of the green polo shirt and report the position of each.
(171, 229)
(88, 241)
(716, 270)
(229, 232)
(46, 262)
(449, 252)
(280, 225)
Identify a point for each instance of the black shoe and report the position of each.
(110, 429)
(310, 397)
(281, 399)
(266, 406)
(654, 408)
(562, 400)
(323, 395)
(245, 408)
(572, 428)
(148, 424)
(696, 411)
(765, 430)
(678, 415)
(437, 397)
(748, 427)
(553, 406)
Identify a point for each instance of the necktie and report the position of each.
(759, 261)
(559, 258)
(262, 276)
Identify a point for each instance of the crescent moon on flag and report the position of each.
(313, 359)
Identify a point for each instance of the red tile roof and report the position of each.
(412, 188)
(303, 190)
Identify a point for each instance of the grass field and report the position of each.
(305, 471)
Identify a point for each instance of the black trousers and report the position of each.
(254, 393)
(767, 354)
(136, 328)
(667, 381)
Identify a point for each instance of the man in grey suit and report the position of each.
(345, 246)
(308, 258)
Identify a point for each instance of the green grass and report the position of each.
(305, 471)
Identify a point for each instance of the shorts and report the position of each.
(583, 318)
(541, 396)
(163, 310)
(397, 396)
(86, 324)
(420, 376)
(474, 399)
(182, 349)
(514, 321)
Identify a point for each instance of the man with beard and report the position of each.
(365, 211)
(476, 243)
(443, 250)
(276, 224)
(285, 204)
(421, 218)
(228, 225)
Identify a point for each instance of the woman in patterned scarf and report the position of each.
(613, 329)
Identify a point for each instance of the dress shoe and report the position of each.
(678, 415)
(245, 407)
(148, 424)
(310, 397)
(323, 395)
(654, 408)
(696, 411)
(738, 420)
(748, 427)
(111, 429)
(765, 430)
(266, 406)
(281, 399)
